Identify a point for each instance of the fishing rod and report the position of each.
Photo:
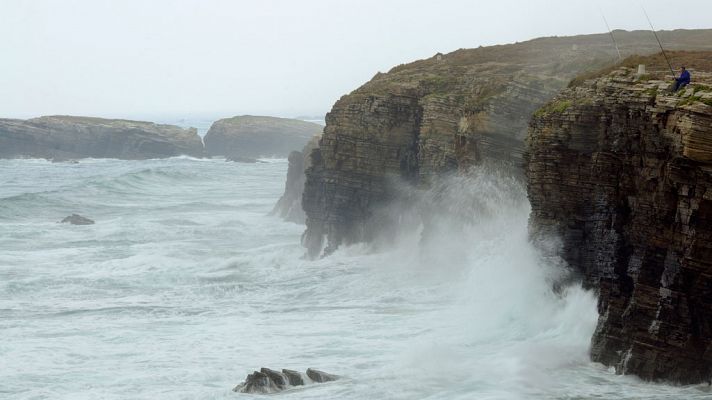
(612, 37)
(659, 43)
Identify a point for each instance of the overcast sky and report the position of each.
(143, 58)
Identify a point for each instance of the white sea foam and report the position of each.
(184, 285)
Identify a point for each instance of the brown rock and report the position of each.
(619, 170)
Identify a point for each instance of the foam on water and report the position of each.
(184, 285)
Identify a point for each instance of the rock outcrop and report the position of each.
(289, 206)
(254, 136)
(443, 114)
(267, 381)
(68, 137)
(620, 169)
(76, 219)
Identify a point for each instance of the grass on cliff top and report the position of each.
(554, 107)
(656, 65)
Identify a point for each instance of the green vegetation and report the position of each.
(693, 99)
(554, 107)
(651, 92)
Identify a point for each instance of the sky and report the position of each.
(186, 58)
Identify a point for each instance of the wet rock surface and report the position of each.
(442, 115)
(63, 138)
(266, 381)
(620, 170)
(249, 136)
(76, 219)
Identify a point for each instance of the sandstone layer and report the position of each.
(620, 169)
(444, 114)
(256, 136)
(69, 137)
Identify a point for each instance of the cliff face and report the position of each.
(67, 137)
(289, 206)
(253, 136)
(443, 114)
(621, 171)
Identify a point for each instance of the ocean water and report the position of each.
(185, 285)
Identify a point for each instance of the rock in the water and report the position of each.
(320, 376)
(241, 159)
(268, 381)
(76, 219)
(68, 137)
(257, 382)
(255, 136)
(294, 377)
(621, 171)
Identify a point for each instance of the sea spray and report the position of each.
(185, 284)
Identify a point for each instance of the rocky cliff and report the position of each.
(620, 169)
(444, 114)
(289, 206)
(253, 136)
(68, 137)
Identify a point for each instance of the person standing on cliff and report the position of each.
(683, 80)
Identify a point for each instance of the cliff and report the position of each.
(253, 136)
(444, 114)
(620, 169)
(68, 137)
(289, 206)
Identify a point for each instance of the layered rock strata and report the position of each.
(439, 115)
(289, 206)
(620, 169)
(68, 137)
(255, 136)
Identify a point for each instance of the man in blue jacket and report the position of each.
(682, 81)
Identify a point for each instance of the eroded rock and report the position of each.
(266, 381)
(76, 219)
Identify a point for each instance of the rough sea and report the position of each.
(185, 285)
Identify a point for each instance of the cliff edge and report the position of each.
(620, 169)
(440, 115)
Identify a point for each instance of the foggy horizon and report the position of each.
(219, 58)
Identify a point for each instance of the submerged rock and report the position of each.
(241, 159)
(76, 219)
(266, 381)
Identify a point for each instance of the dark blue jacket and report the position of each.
(684, 77)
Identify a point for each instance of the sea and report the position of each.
(185, 284)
